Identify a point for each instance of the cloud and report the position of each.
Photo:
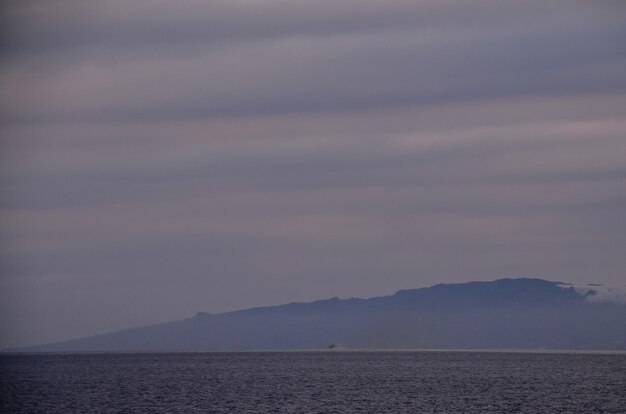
(35, 25)
(391, 54)
(171, 157)
(600, 294)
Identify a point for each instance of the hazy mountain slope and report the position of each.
(507, 313)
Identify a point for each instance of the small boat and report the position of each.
(332, 346)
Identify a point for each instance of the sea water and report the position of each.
(314, 382)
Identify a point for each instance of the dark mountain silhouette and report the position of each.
(506, 313)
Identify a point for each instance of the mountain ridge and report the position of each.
(504, 313)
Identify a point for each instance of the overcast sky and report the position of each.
(167, 157)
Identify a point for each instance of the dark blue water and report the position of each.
(314, 382)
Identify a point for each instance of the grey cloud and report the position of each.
(345, 71)
(156, 164)
(600, 293)
(555, 148)
(36, 24)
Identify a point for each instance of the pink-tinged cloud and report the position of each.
(209, 156)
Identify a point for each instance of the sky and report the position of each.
(163, 158)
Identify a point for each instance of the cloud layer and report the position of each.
(208, 156)
(600, 294)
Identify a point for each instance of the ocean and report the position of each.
(314, 382)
